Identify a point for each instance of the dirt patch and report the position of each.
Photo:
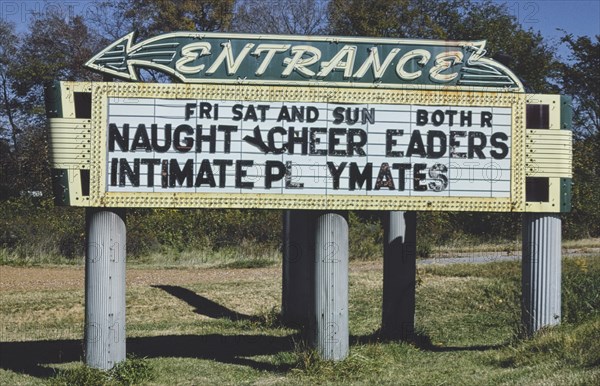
(36, 278)
(52, 278)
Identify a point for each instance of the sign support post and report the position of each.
(541, 271)
(330, 334)
(298, 263)
(399, 275)
(104, 340)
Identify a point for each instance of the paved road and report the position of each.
(488, 257)
(478, 259)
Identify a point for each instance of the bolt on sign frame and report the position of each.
(289, 122)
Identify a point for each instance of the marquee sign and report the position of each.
(361, 137)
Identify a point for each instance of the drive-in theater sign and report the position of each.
(323, 123)
(308, 123)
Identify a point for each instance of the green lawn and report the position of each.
(467, 319)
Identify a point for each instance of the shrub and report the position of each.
(34, 228)
(580, 288)
(129, 372)
(365, 233)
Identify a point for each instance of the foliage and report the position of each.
(524, 51)
(80, 376)
(19, 139)
(187, 229)
(56, 48)
(584, 219)
(8, 125)
(580, 78)
(25, 169)
(365, 236)
(300, 17)
(486, 226)
(33, 229)
(580, 289)
(151, 18)
(132, 371)
(383, 18)
(531, 57)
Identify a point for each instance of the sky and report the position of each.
(575, 17)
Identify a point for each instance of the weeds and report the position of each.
(129, 372)
(580, 289)
(268, 319)
(81, 375)
(306, 362)
(571, 345)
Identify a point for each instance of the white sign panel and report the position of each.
(214, 146)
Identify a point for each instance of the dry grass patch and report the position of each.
(217, 326)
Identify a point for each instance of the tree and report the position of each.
(580, 78)
(9, 119)
(153, 17)
(54, 48)
(584, 219)
(393, 18)
(531, 58)
(8, 124)
(301, 17)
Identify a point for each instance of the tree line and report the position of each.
(54, 45)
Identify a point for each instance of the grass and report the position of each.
(472, 248)
(571, 345)
(255, 255)
(16, 259)
(467, 317)
(243, 256)
(582, 243)
(132, 371)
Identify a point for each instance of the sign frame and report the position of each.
(86, 163)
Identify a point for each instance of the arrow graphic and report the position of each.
(288, 60)
(121, 57)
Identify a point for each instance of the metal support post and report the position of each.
(330, 331)
(104, 340)
(541, 271)
(298, 264)
(399, 275)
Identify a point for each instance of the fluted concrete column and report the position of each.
(104, 340)
(298, 264)
(399, 274)
(330, 332)
(541, 271)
